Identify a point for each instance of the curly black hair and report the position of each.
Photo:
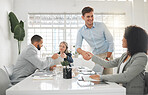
(137, 39)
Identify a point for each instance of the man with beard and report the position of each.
(28, 60)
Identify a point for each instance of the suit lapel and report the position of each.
(121, 62)
(127, 64)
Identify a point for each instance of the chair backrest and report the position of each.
(146, 83)
(9, 69)
(4, 82)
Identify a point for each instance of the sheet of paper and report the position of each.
(84, 83)
(42, 78)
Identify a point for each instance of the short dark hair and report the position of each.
(87, 10)
(36, 38)
(137, 39)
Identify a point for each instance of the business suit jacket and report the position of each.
(28, 62)
(132, 76)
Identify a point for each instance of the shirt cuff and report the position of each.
(77, 48)
(102, 78)
(110, 49)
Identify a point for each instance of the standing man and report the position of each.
(28, 60)
(97, 36)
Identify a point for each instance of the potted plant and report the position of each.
(67, 70)
(17, 28)
(75, 53)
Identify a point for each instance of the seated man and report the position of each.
(28, 60)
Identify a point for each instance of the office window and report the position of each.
(55, 28)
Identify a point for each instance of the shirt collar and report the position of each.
(88, 28)
(34, 47)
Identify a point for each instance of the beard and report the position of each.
(38, 47)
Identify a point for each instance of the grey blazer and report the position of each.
(28, 62)
(132, 76)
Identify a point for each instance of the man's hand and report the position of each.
(55, 56)
(96, 77)
(106, 59)
(51, 68)
(86, 55)
(90, 54)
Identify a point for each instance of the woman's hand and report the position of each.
(96, 77)
(63, 55)
(55, 56)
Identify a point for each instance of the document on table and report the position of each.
(42, 77)
(85, 83)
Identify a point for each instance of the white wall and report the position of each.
(6, 40)
(139, 13)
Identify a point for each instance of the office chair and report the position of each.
(4, 82)
(9, 70)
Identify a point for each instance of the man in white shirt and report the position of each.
(28, 60)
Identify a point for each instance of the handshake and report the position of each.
(87, 55)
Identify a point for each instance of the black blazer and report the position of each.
(69, 57)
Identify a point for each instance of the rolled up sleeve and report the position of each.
(109, 39)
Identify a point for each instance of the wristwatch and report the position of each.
(107, 58)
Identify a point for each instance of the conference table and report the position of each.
(57, 85)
